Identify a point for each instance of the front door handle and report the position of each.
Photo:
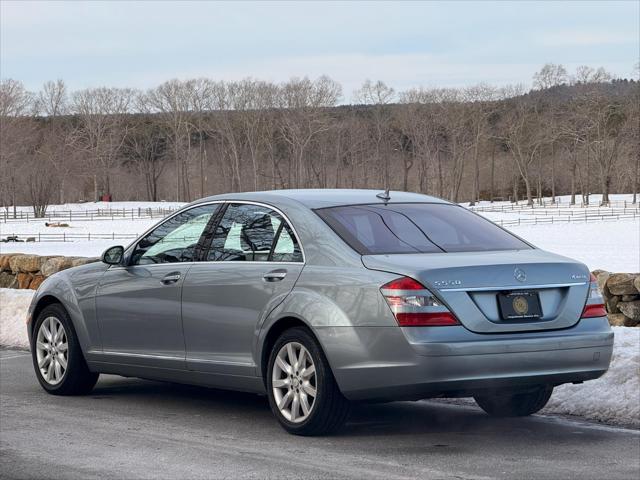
(171, 278)
(274, 276)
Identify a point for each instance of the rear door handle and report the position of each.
(274, 276)
(171, 278)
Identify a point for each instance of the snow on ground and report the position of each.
(613, 398)
(594, 199)
(612, 246)
(94, 248)
(98, 206)
(118, 226)
(13, 314)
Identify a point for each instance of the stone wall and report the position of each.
(18, 270)
(621, 292)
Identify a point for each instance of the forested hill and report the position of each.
(191, 138)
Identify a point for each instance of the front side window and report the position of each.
(176, 239)
(252, 233)
(416, 228)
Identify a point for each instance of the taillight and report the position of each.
(415, 306)
(594, 306)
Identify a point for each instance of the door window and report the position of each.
(248, 233)
(176, 239)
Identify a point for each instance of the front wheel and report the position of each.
(57, 356)
(515, 404)
(302, 391)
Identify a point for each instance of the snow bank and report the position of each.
(13, 313)
(613, 398)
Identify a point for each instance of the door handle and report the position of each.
(171, 278)
(274, 276)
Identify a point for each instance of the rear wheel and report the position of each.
(303, 393)
(515, 404)
(57, 356)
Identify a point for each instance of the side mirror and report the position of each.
(113, 255)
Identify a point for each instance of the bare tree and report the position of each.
(145, 148)
(550, 75)
(171, 102)
(53, 102)
(303, 117)
(482, 104)
(378, 95)
(15, 133)
(586, 75)
(522, 136)
(101, 132)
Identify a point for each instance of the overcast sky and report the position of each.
(141, 44)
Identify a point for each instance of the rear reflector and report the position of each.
(594, 310)
(414, 305)
(426, 319)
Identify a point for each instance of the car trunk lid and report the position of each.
(469, 284)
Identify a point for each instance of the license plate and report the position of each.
(519, 305)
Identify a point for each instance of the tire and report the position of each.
(75, 378)
(515, 404)
(328, 410)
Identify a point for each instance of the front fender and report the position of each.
(75, 289)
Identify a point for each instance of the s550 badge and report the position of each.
(447, 283)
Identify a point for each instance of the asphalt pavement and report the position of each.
(131, 428)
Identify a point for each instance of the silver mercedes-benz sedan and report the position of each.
(323, 298)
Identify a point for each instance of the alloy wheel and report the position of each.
(52, 350)
(294, 382)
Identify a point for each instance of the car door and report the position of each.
(138, 305)
(251, 263)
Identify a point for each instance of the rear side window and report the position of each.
(252, 233)
(416, 228)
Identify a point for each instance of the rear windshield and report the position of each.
(416, 228)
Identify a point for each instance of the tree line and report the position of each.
(571, 134)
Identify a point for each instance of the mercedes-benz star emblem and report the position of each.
(519, 274)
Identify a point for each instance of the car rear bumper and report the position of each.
(392, 363)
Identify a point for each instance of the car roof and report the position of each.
(320, 198)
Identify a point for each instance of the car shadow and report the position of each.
(367, 420)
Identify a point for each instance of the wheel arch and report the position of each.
(272, 334)
(42, 303)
